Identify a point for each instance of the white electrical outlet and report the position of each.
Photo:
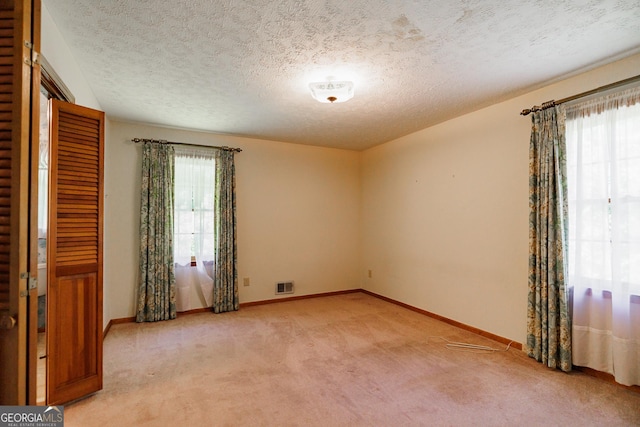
(246, 281)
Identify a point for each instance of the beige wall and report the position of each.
(298, 212)
(445, 211)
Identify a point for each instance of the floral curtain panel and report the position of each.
(548, 319)
(225, 289)
(156, 284)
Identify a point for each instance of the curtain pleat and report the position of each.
(548, 318)
(156, 284)
(225, 290)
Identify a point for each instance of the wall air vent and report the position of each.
(284, 288)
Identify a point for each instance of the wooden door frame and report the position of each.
(17, 357)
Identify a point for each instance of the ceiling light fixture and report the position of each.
(331, 91)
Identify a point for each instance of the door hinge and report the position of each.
(32, 283)
(33, 58)
(24, 292)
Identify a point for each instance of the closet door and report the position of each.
(18, 33)
(74, 311)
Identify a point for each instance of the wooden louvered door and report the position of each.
(18, 33)
(74, 306)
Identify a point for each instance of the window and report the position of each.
(194, 221)
(603, 182)
(603, 173)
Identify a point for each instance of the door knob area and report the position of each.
(6, 321)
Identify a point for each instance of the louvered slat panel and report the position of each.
(77, 195)
(6, 108)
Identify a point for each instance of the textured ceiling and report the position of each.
(243, 67)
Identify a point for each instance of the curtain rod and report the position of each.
(552, 103)
(164, 141)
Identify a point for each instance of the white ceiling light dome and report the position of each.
(331, 91)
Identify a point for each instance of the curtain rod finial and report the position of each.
(548, 104)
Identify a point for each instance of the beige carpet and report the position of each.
(347, 360)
